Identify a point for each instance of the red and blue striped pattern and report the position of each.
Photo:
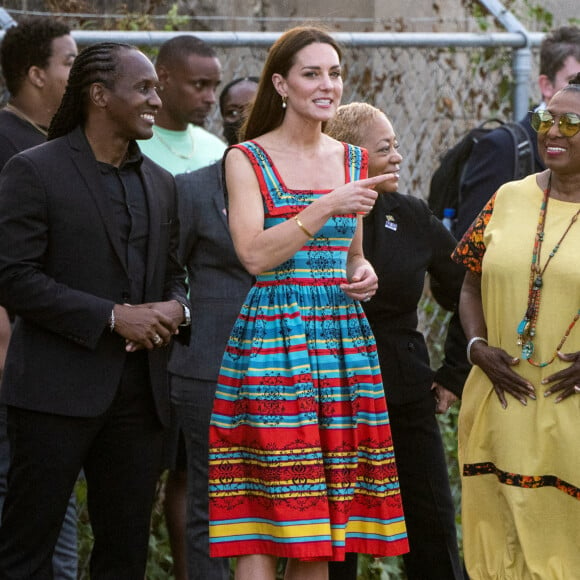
(301, 457)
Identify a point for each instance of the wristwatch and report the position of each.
(186, 315)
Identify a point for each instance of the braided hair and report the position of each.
(97, 63)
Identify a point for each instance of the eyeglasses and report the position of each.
(568, 123)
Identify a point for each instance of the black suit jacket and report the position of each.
(218, 281)
(490, 165)
(62, 269)
(16, 135)
(404, 241)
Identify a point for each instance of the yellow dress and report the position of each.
(521, 465)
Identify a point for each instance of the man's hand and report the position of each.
(148, 325)
(444, 399)
(172, 309)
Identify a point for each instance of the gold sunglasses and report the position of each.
(568, 123)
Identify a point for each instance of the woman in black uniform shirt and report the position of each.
(404, 241)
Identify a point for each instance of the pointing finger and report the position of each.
(371, 181)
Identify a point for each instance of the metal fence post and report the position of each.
(6, 21)
(521, 66)
(521, 59)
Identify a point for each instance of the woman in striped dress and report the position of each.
(301, 459)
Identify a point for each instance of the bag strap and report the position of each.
(485, 124)
(524, 157)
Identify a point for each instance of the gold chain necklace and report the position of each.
(24, 117)
(178, 153)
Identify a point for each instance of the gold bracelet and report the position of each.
(301, 226)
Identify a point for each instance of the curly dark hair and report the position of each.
(28, 44)
(97, 63)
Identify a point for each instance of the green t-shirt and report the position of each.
(183, 151)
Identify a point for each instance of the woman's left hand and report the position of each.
(363, 283)
(568, 380)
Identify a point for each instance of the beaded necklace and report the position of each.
(527, 327)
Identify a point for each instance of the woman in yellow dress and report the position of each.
(519, 423)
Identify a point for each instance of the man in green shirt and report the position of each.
(189, 73)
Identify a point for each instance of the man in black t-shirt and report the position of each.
(36, 56)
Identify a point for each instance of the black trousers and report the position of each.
(427, 501)
(120, 452)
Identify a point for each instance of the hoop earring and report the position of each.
(284, 100)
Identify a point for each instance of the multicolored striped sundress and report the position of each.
(301, 457)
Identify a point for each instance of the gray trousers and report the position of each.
(192, 402)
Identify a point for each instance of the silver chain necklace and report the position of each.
(178, 153)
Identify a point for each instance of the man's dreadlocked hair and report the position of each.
(97, 63)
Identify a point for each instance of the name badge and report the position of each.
(390, 222)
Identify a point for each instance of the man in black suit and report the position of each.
(492, 159)
(36, 57)
(219, 284)
(88, 263)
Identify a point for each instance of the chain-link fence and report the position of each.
(433, 87)
(432, 94)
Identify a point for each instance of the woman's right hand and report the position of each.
(497, 364)
(356, 196)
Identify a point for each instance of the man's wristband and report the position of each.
(470, 344)
(112, 321)
(186, 315)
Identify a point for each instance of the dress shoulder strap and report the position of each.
(277, 199)
(356, 162)
(264, 169)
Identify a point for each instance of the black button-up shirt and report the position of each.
(124, 189)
